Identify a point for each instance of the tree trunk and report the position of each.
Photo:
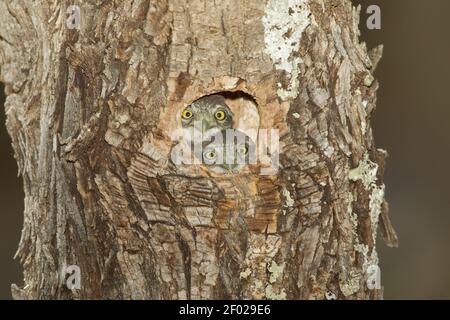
(90, 111)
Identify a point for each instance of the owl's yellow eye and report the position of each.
(243, 150)
(187, 114)
(210, 155)
(220, 115)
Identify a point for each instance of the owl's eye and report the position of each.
(220, 115)
(187, 114)
(210, 155)
(243, 150)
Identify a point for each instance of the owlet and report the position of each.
(228, 151)
(204, 114)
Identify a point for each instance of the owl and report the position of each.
(228, 151)
(204, 114)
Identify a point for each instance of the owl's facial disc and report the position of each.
(207, 113)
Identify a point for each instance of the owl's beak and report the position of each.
(206, 125)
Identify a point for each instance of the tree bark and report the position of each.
(90, 113)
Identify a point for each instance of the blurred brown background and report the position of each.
(412, 122)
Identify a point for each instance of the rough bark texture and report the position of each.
(90, 113)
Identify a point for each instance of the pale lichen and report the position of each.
(366, 172)
(376, 200)
(258, 284)
(284, 23)
(368, 80)
(275, 271)
(272, 295)
(292, 91)
(350, 284)
(288, 198)
(246, 273)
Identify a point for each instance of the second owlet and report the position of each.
(228, 152)
(207, 113)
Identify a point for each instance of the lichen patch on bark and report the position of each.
(284, 24)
